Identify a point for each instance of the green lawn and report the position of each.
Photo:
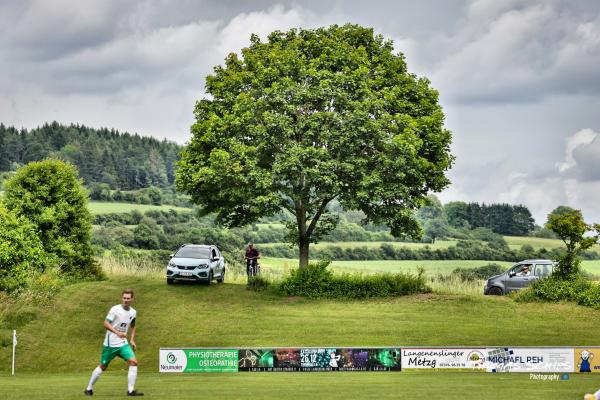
(60, 346)
(101, 207)
(231, 316)
(401, 385)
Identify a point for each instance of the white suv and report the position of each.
(196, 263)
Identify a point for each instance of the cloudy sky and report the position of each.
(519, 80)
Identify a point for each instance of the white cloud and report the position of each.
(236, 34)
(582, 138)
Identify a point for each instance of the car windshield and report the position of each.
(193, 252)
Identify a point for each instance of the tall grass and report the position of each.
(453, 284)
(132, 266)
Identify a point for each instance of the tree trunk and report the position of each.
(303, 251)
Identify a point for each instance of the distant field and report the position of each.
(100, 207)
(379, 266)
(439, 244)
(432, 267)
(518, 241)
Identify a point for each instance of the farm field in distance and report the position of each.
(105, 207)
(392, 266)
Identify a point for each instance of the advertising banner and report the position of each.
(319, 359)
(440, 358)
(198, 360)
(587, 359)
(530, 359)
(280, 360)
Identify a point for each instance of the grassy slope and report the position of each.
(57, 351)
(67, 337)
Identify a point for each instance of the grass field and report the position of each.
(536, 243)
(60, 346)
(439, 244)
(101, 207)
(431, 267)
(403, 385)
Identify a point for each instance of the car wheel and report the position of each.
(495, 291)
(221, 279)
(169, 281)
(210, 278)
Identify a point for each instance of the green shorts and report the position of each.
(109, 353)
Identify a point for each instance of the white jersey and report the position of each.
(121, 319)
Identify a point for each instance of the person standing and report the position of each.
(117, 323)
(252, 256)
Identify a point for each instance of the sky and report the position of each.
(519, 81)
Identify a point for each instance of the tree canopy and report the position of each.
(50, 195)
(570, 227)
(310, 116)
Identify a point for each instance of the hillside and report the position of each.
(118, 159)
(230, 316)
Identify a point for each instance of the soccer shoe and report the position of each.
(135, 393)
(88, 392)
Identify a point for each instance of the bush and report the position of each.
(316, 281)
(50, 195)
(21, 252)
(555, 289)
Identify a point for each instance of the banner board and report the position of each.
(323, 359)
(444, 358)
(280, 360)
(530, 359)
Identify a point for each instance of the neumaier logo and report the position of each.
(171, 359)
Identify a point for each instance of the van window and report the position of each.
(543, 270)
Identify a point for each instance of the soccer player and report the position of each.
(117, 323)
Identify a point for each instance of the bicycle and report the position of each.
(252, 267)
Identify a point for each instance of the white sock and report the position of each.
(131, 377)
(95, 375)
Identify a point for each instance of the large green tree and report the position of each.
(310, 116)
(50, 195)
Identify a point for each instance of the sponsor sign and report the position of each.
(320, 359)
(198, 360)
(530, 359)
(280, 360)
(587, 360)
(444, 358)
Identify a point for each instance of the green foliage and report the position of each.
(463, 250)
(570, 227)
(577, 289)
(316, 281)
(311, 116)
(504, 219)
(21, 252)
(50, 195)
